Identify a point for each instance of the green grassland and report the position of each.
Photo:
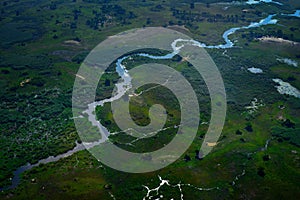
(42, 46)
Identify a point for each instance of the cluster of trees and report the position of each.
(16, 107)
(53, 6)
(109, 13)
(288, 131)
(157, 8)
(34, 127)
(189, 16)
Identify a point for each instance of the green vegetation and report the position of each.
(43, 43)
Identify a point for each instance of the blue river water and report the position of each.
(251, 2)
(296, 14)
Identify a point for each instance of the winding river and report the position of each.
(122, 88)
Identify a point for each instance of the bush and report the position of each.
(249, 128)
(39, 82)
(238, 132)
(261, 172)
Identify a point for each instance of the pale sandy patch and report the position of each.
(211, 144)
(24, 82)
(79, 76)
(72, 42)
(277, 40)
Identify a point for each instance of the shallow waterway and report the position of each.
(251, 2)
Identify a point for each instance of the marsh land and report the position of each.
(255, 45)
